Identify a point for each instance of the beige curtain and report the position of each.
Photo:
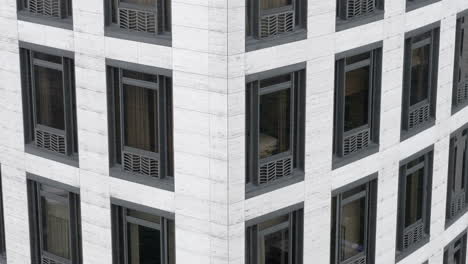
(268, 4)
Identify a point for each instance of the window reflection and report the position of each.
(414, 195)
(274, 247)
(353, 228)
(48, 85)
(419, 74)
(55, 227)
(357, 98)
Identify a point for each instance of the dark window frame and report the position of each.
(64, 19)
(415, 4)
(165, 155)
(68, 152)
(457, 244)
(460, 87)
(297, 127)
(162, 19)
(3, 256)
(343, 21)
(427, 106)
(120, 219)
(422, 225)
(35, 194)
(369, 184)
(340, 157)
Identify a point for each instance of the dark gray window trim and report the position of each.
(449, 248)
(52, 183)
(428, 154)
(339, 160)
(458, 41)
(142, 208)
(415, 4)
(343, 24)
(434, 28)
(138, 67)
(279, 212)
(45, 49)
(274, 72)
(59, 23)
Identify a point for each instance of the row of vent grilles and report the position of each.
(49, 8)
(457, 204)
(137, 20)
(274, 170)
(46, 260)
(276, 24)
(355, 142)
(419, 116)
(413, 234)
(140, 164)
(50, 141)
(462, 92)
(356, 8)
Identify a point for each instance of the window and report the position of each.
(357, 103)
(414, 202)
(57, 12)
(273, 22)
(141, 237)
(49, 102)
(55, 226)
(353, 223)
(460, 78)
(420, 81)
(141, 20)
(455, 252)
(357, 12)
(275, 127)
(276, 240)
(141, 123)
(457, 175)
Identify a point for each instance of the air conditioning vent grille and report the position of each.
(49, 8)
(50, 141)
(356, 142)
(140, 164)
(419, 116)
(274, 170)
(137, 20)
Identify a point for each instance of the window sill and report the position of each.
(164, 184)
(252, 44)
(115, 32)
(68, 160)
(66, 23)
(406, 134)
(400, 255)
(252, 190)
(412, 5)
(359, 21)
(451, 221)
(338, 162)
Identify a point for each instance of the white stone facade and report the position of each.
(209, 65)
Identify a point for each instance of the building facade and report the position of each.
(233, 131)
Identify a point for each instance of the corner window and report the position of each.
(273, 22)
(54, 224)
(141, 20)
(140, 118)
(49, 106)
(419, 82)
(414, 202)
(276, 240)
(353, 224)
(141, 237)
(460, 78)
(275, 127)
(52, 12)
(457, 176)
(357, 105)
(351, 13)
(455, 252)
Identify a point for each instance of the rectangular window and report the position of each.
(276, 240)
(360, 11)
(54, 11)
(353, 224)
(141, 237)
(55, 224)
(49, 102)
(140, 118)
(460, 76)
(357, 103)
(455, 252)
(271, 20)
(457, 175)
(275, 127)
(420, 81)
(414, 202)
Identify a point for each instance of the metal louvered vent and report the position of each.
(413, 234)
(356, 8)
(276, 24)
(357, 141)
(457, 204)
(137, 20)
(418, 116)
(45, 7)
(140, 164)
(274, 170)
(47, 260)
(360, 260)
(462, 92)
(50, 141)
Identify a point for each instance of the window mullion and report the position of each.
(122, 114)
(161, 128)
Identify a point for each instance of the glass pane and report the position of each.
(419, 74)
(144, 245)
(275, 248)
(457, 257)
(171, 242)
(414, 197)
(55, 227)
(269, 4)
(49, 97)
(140, 2)
(140, 76)
(144, 216)
(353, 228)
(275, 122)
(357, 98)
(47, 57)
(140, 114)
